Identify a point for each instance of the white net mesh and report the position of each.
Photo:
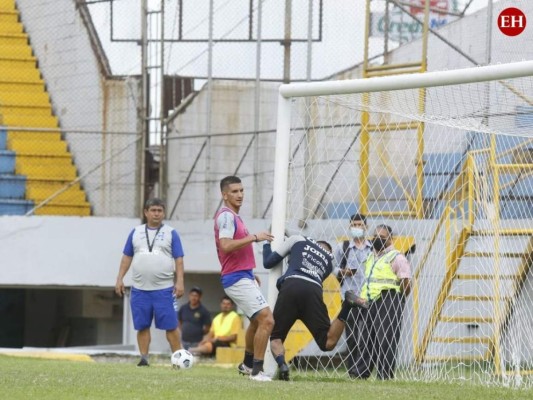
(450, 169)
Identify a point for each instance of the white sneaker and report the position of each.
(261, 377)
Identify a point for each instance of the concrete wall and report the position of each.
(86, 251)
(86, 99)
(233, 111)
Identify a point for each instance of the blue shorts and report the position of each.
(147, 305)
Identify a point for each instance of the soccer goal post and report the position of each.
(446, 160)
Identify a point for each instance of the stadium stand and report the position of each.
(34, 163)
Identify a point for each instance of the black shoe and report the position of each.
(283, 374)
(355, 301)
(355, 375)
(143, 363)
(244, 370)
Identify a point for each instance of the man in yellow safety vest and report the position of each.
(224, 330)
(387, 283)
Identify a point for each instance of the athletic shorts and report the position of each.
(303, 300)
(158, 305)
(247, 296)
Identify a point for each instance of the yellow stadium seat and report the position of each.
(30, 147)
(46, 136)
(13, 51)
(71, 195)
(30, 121)
(21, 86)
(24, 99)
(8, 16)
(35, 111)
(7, 5)
(41, 155)
(47, 171)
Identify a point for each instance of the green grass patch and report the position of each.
(26, 378)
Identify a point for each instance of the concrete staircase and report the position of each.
(35, 162)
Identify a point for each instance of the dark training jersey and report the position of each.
(307, 260)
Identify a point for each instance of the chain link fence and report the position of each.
(80, 101)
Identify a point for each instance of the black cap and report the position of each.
(196, 289)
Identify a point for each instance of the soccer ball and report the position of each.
(182, 359)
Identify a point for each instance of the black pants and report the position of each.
(303, 300)
(379, 336)
(352, 338)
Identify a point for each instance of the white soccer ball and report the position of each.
(182, 359)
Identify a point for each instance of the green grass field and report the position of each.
(33, 378)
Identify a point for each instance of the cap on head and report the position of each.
(196, 289)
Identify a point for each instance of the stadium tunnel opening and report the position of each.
(59, 317)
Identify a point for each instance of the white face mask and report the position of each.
(357, 233)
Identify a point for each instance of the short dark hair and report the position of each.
(227, 298)
(323, 242)
(358, 217)
(196, 289)
(154, 202)
(228, 180)
(386, 227)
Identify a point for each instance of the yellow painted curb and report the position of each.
(50, 355)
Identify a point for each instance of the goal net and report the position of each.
(446, 160)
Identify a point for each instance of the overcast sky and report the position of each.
(340, 47)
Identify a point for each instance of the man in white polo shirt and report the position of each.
(155, 255)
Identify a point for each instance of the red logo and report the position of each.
(512, 21)
(417, 6)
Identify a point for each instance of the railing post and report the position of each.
(471, 189)
(494, 217)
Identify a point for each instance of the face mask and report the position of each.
(378, 243)
(357, 233)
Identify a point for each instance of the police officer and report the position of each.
(387, 283)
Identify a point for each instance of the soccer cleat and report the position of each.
(283, 374)
(355, 301)
(244, 370)
(143, 363)
(261, 377)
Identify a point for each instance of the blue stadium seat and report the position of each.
(516, 185)
(15, 207)
(341, 210)
(12, 187)
(442, 163)
(435, 185)
(439, 209)
(516, 209)
(7, 162)
(3, 138)
(388, 206)
(524, 117)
